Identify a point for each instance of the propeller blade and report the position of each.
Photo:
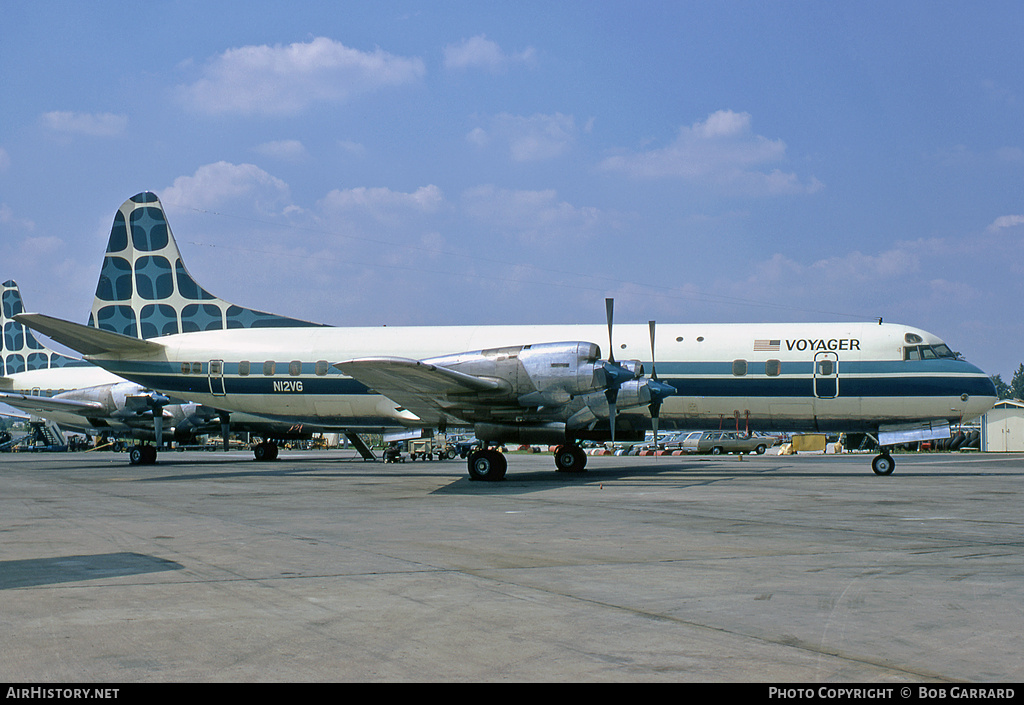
(611, 411)
(158, 426)
(655, 405)
(612, 392)
(609, 305)
(658, 390)
(654, 375)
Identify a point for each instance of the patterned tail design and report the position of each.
(145, 291)
(21, 351)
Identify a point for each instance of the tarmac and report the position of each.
(211, 567)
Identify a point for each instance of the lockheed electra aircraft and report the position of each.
(152, 323)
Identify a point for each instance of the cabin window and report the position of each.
(215, 368)
(243, 368)
(739, 368)
(913, 338)
(185, 368)
(295, 368)
(197, 368)
(826, 368)
(321, 368)
(268, 368)
(773, 368)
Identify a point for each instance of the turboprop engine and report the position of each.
(542, 375)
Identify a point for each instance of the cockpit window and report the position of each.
(928, 352)
(912, 338)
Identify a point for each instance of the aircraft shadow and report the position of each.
(33, 572)
(533, 478)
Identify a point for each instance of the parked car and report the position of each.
(687, 441)
(718, 442)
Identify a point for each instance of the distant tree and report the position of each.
(1003, 390)
(1017, 383)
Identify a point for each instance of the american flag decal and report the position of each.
(766, 345)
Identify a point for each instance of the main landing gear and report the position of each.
(569, 457)
(488, 464)
(883, 464)
(267, 450)
(142, 455)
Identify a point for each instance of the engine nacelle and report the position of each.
(632, 394)
(545, 374)
(508, 433)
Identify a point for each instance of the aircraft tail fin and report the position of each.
(145, 291)
(19, 349)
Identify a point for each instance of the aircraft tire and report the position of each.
(883, 464)
(265, 451)
(973, 440)
(142, 455)
(570, 458)
(489, 465)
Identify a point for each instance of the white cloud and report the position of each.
(381, 201)
(92, 124)
(7, 217)
(531, 216)
(285, 80)
(1005, 221)
(215, 184)
(533, 138)
(480, 52)
(352, 148)
(285, 150)
(721, 150)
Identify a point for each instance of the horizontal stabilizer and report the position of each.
(85, 339)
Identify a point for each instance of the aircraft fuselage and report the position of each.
(800, 376)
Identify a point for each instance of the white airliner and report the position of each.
(153, 324)
(73, 393)
(80, 396)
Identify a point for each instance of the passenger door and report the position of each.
(826, 375)
(216, 376)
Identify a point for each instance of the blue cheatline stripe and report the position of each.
(167, 376)
(906, 386)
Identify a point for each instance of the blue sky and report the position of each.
(474, 162)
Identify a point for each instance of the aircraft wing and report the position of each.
(42, 405)
(85, 339)
(432, 392)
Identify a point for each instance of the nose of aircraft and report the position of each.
(977, 391)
